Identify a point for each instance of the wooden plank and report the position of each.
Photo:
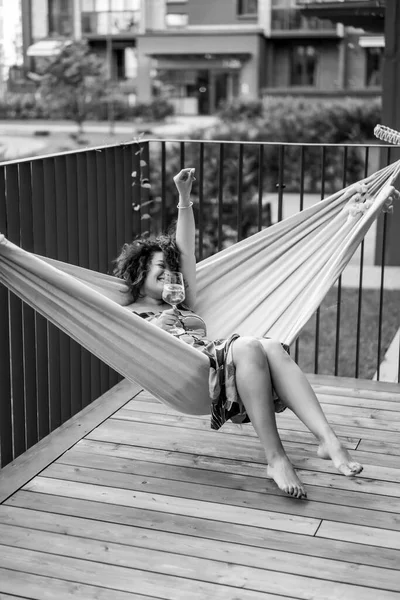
(243, 476)
(38, 587)
(142, 581)
(243, 436)
(357, 392)
(299, 455)
(292, 423)
(380, 426)
(352, 384)
(360, 534)
(39, 456)
(373, 403)
(205, 442)
(379, 446)
(106, 514)
(204, 559)
(211, 507)
(234, 500)
(351, 416)
(375, 415)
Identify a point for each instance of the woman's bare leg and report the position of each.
(295, 391)
(253, 383)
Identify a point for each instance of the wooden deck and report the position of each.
(131, 500)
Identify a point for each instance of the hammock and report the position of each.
(269, 284)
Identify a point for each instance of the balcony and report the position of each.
(292, 20)
(105, 492)
(118, 23)
(364, 14)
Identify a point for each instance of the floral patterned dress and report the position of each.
(226, 403)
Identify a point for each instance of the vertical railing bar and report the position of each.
(29, 341)
(83, 219)
(102, 237)
(42, 357)
(182, 155)
(6, 446)
(360, 285)
(381, 290)
(201, 199)
(398, 365)
(117, 197)
(71, 168)
(163, 187)
(318, 312)
(112, 246)
(302, 163)
(93, 249)
(127, 192)
(260, 186)
(145, 189)
(220, 193)
(135, 192)
(240, 193)
(57, 416)
(280, 181)
(145, 170)
(60, 169)
(16, 327)
(381, 294)
(339, 285)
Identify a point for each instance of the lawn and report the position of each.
(369, 333)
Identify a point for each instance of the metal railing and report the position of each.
(80, 207)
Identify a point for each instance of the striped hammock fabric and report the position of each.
(269, 284)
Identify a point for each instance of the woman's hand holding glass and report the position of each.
(167, 320)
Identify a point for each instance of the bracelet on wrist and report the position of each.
(188, 206)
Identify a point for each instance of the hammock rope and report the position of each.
(268, 284)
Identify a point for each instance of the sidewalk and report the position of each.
(174, 126)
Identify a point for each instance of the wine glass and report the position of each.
(174, 293)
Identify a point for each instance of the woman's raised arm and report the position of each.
(186, 234)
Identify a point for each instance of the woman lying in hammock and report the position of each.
(250, 378)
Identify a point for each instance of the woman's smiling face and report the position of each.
(154, 282)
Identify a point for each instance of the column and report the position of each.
(391, 118)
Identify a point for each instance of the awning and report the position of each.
(372, 41)
(47, 48)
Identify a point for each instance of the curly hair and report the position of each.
(133, 263)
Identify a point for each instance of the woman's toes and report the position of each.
(355, 467)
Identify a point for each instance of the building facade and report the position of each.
(199, 53)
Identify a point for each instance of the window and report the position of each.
(304, 65)
(374, 66)
(60, 17)
(110, 16)
(176, 20)
(247, 8)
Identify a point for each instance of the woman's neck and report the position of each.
(149, 301)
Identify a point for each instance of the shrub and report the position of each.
(239, 110)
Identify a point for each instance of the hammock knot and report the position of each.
(3, 239)
(388, 205)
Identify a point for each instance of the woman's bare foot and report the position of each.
(340, 457)
(282, 472)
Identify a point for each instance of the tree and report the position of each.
(73, 80)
